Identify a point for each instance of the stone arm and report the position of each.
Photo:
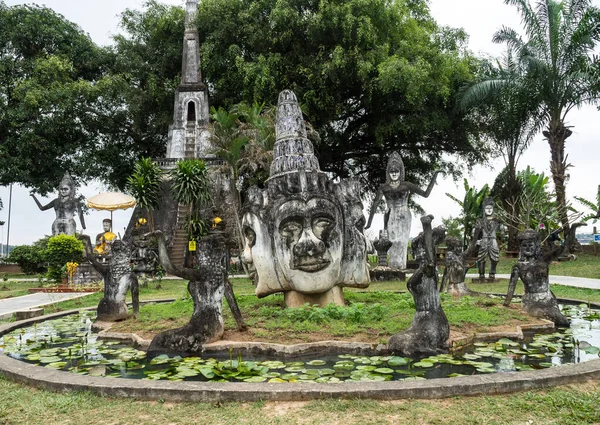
(569, 238)
(428, 243)
(472, 249)
(376, 202)
(81, 218)
(425, 193)
(103, 269)
(44, 207)
(183, 272)
(514, 277)
(444, 283)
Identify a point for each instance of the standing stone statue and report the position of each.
(430, 330)
(118, 279)
(397, 217)
(303, 234)
(206, 286)
(65, 206)
(485, 235)
(532, 269)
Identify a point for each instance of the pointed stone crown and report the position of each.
(292, 151)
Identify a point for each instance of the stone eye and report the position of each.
(322, 226)
(290, 229)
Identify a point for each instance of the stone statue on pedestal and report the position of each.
(65, 206)
(397, 217)
(104, 240)
(303, 233)
(485, 235)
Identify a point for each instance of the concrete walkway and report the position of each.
(579, 282)
(8, 306)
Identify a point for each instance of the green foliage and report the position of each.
(471, 208)
(144, 186)
(454, 226)
(50, 98)
(559, 71)
(30, 258)
(190, 183)
(61, 250)
(354, 313)
(594, 206)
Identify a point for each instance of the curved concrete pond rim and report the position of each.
(195, 391)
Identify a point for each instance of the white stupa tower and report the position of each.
(188, 135)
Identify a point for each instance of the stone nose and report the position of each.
(309, 245)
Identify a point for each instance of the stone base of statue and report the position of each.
(111, 310)
(296, 299)
(544, 305)
(428, 335)
(386, 274)
(86, 273)
(461, 290)
(485, 280)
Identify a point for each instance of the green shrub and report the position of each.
(62, 249)
(29, 257)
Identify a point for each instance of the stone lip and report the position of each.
(194, 391)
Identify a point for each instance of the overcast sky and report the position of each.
(480, 19)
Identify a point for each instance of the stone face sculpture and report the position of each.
(118, 279)
(429, 331)
(397, 217)
(485, 235)
(65, 206)
(303, 233)
(206, 286)
(532, 269)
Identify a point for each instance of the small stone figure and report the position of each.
(303, 234)
(104, 240)
(485, 235)
(532, 268)
(206, 286)
(382, 245)
(118, 279)
(382, 272)
(143, 257)
(397, 217)
(453, 280)
(430, 330)
(65, 206)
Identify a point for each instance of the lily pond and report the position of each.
(67, 343)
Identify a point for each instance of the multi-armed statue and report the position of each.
(65, 206)
(303, 233)
(397, 217)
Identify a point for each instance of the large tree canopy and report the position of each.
(373, 76)
(48, 98)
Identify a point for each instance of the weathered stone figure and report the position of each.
(397, 217)
(206, 286)
(532, 269)
(485, 235)
(118, 279)
(430, 330)
(303, 234)
(453, 279)
(65, 206)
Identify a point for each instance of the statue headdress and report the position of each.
(68, 180)
(394, 163)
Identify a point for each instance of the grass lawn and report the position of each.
(561, 406)
(373, 315)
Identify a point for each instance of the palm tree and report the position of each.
(559, 71)
(190, 186)
(144, 186)
(471, 208)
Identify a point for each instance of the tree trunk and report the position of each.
(557, 134)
